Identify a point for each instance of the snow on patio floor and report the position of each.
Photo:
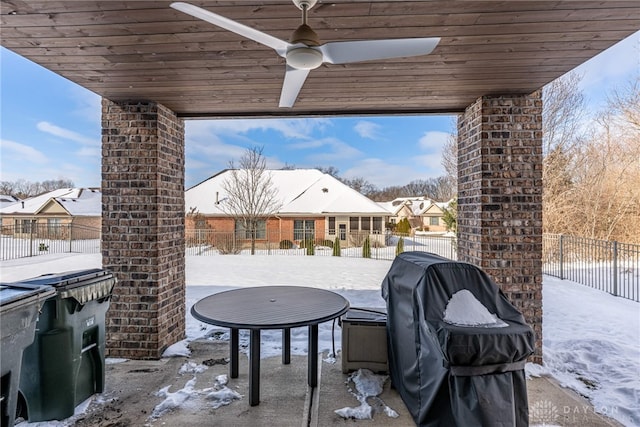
(591, 339)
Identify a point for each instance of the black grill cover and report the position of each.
(451, 375)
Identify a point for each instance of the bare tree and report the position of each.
(24, 189)
(251, 197)
(449, 160)
(361, 185)
(563, 136)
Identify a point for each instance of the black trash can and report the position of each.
(19, 306)
(65, 364)
(448, 374)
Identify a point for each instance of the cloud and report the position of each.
(433, 141)
(334, 150)
(432, 163)
(14, 152)
(89, 152)
(289, 128)
(384, 174)
(366, 129)
(66, 134)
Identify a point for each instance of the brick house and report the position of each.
(313, 205)
(53, 213)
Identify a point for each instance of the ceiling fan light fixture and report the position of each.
(304, 58)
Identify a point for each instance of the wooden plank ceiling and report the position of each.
(145, 50)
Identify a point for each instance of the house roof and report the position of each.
(76, 201)
(6, 200)
(300, 191)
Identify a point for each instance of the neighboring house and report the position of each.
(422, 213)
(49, 213)
(313, 205)
(6, 200)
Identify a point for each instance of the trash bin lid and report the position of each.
(16, 294)
(81, 285)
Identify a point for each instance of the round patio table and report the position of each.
(270, 307)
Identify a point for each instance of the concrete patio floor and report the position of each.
(285, 400)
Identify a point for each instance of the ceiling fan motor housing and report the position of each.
(304, 58)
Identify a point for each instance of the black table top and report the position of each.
(270, 307)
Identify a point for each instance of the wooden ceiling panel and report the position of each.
(146, 50)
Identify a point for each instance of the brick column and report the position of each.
(143, 227)
(500, 197)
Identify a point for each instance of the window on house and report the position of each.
(434, 220)
(365, 223)
(377, 224)
(54, 226)
(304, 229)
(354, 223)
(332, 225)
(243, 233)
(24, 225)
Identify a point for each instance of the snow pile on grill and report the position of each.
(463, 309)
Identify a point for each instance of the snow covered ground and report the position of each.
(591, 339)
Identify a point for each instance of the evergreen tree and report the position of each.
(400, 246)
(366, 248)
(336, 247)
(403, 226)
(310, 247)
(450, 216)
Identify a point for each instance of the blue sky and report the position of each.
(50, 128)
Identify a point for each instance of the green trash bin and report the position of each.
(65, 364)
(19, 306)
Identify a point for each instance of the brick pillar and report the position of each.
(500, 197)
(143, 227)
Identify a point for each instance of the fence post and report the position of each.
(561, 257)
(615, 268)
(70, 238)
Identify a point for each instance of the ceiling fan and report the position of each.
(304, 52)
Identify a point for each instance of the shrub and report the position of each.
(286, 244)
(356, 238)
(226, 244)
(366, 248)
(336, 247)
(325, 242)
(400, 246)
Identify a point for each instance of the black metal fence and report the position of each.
(42, 239)
(379, 246)
(609, 266)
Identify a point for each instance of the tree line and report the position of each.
(591, 168)
(23, 189)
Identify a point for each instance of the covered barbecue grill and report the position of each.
(448, 374)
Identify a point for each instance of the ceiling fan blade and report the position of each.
(368, 50)
(278, 45)
(293, 81)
